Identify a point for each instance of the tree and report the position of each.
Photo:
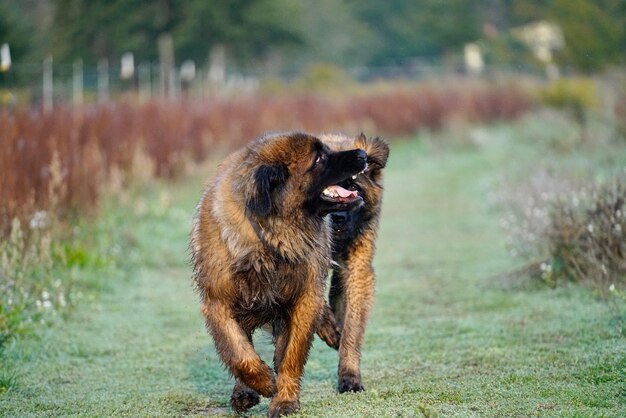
(594, 31)
(408, 29)
(249, 29)
(93, 29)
(593, 37)
(13, 31)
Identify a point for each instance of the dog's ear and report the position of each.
(377, 151)
(266, 179)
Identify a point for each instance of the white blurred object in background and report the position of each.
(474, 63)
(128, 66)
(188, 71)
(543, 38)
(5, 58)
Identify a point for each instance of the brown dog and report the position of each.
(351, 294)
(261, 250)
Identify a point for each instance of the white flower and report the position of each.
(39, 220)
(612, 288)
(590, 228)
(45, 295)
(47, 304)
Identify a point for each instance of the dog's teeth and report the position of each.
(354, 177)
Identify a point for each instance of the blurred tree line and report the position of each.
(291, 33)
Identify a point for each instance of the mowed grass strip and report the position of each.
(445, 338)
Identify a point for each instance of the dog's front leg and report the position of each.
(358, 299)
(244, 398)
(236, 350)
(293, 342)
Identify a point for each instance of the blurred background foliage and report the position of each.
(286, 35)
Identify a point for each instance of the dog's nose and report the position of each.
(361, 154)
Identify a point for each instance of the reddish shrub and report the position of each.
(93, 140)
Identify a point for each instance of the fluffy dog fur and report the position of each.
(261, 249)
(351, 294)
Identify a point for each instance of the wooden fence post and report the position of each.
(103, 80)
(48, 86)
(77, 82)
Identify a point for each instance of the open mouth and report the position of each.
(336, 193)
(340, 194)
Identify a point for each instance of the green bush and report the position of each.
(322, 77)
(575, 95)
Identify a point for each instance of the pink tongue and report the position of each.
(343, 192)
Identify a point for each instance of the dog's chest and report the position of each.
(267, 288)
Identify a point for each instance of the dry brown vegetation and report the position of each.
(586, 241)
(93, 141)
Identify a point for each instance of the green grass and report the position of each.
(445, 337)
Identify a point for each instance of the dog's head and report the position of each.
(296, 171)
(368, 183)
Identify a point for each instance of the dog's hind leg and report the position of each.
(336, 296)
(327, 328)
(329, 322)
(235, 349)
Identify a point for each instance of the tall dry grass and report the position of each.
(93, 141)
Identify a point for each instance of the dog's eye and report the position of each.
(318, 160)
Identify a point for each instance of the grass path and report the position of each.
(443, 339)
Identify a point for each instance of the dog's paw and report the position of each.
(350, 383)
(243, 398)
(282, 408)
